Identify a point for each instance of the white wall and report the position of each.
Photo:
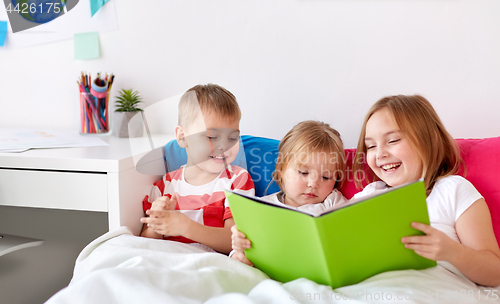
(285, 60)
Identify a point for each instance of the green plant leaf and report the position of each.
(128, 101)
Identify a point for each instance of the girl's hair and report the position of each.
(307, 137)
(207, 99)
(420, 125)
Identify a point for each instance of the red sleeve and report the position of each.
(146, 205)
(148, 201)
(227, 213)
(242, 182)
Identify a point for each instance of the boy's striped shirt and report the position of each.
(206, 204)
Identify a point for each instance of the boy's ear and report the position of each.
(180, 136)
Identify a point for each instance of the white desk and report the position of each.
(102, 179)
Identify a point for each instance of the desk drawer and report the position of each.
(53, 189)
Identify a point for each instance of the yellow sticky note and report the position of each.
(87, 45)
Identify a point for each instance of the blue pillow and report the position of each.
(257, 155)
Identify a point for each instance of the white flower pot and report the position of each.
(127, 124)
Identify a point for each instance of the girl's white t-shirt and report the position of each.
(448, 200)
(333, 199)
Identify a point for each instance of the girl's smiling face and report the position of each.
(309, 182)
(389, 153)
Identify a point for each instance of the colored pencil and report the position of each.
(94, 111)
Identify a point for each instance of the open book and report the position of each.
(339, 247)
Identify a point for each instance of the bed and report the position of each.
(120, 267)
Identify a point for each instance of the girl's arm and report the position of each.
(477, 256)
(239, 244)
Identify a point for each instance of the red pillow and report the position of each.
(349, 188)
(482, 160)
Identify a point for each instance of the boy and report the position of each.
(188, 205)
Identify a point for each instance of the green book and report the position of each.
(339, 247)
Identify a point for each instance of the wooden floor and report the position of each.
(33, 275)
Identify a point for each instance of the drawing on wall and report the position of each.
(34, 22)
(26, 14)
(37, 11)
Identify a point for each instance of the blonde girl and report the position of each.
(403, 140)
(310, 170)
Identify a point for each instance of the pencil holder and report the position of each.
(94, 112)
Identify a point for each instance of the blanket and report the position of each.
(434, 285)
(121, 268)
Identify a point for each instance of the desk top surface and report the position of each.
(120, 154)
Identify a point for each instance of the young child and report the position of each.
(310, 168)
(403, 140)
(188, 205)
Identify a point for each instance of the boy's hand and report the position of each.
(167, 222)
(165, 203)
(434, 245)
(239, 241)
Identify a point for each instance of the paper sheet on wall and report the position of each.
(77, 20)
(20, 139)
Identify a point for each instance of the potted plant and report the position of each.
(127, 106)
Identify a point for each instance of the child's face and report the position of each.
(309, 182)
(389, 153)
(212, 143)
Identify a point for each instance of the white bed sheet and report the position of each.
(436, 285)
(121, 268)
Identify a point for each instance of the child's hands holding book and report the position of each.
(434, 245)
(239, 244)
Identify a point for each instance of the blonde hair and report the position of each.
(307, 137)
(421, 126)
(207, 99)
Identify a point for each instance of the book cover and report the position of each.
(340, 247)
